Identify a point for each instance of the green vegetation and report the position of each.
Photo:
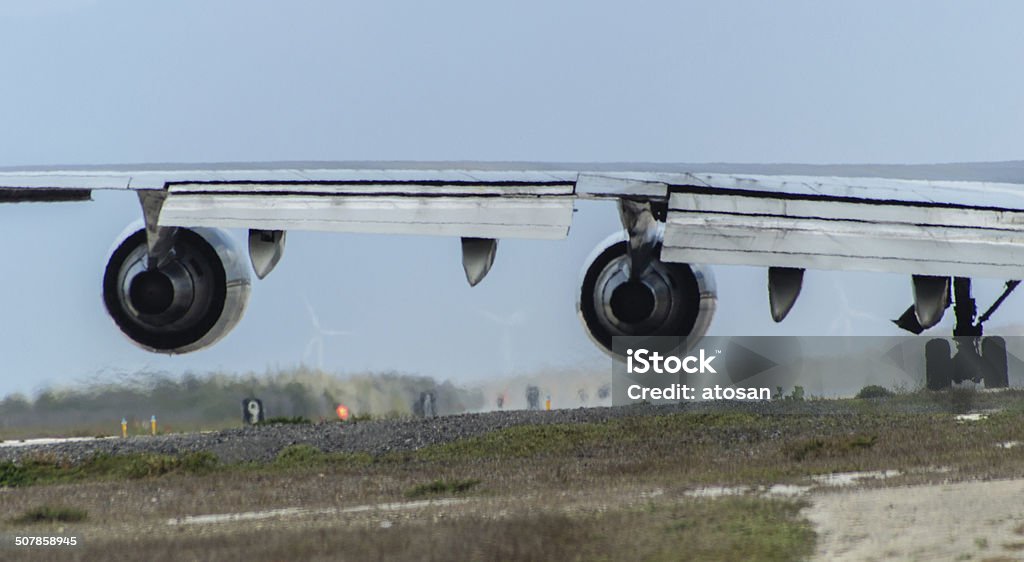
(741, 448)
(725, 529)
(284, 420)
(551, 439)
(520, 441)
(734, 528)
(49, 514)
(441, 487)
(367, 416)
(46, 470)
(736, 447)
(832, 447)
(874, 391)
(301, 454)
(556, 439)
(722, 530)
(304, 456)
(797, 394)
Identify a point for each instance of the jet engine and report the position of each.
(187, 299)
(665, 299)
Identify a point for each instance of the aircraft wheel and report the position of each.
(938, 364)
(993, 351)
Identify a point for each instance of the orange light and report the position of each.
(342, 411)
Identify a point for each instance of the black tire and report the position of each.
(938, 365)
(967, 362)
(993, 351)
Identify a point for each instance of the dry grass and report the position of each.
(565, 492)
(441, 488)
(51, 514)
(728, 529)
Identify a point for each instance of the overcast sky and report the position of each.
(93, 82)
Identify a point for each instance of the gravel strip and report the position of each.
(262, 443)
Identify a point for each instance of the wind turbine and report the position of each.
(508, 322)
(316, 342)
(842, 326)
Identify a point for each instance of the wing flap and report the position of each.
(509, 188)
(968, 194)
(838, 244)
(872, 224)
(921, 266)
(866, 212)
(442, 214)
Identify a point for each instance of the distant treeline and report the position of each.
(214, 400)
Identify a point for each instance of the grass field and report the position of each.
(620, 490)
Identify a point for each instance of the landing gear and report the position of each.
(976, 359)
(993, 351)
(938, 366)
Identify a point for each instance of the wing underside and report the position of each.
(915, 222)
(541, 210)
(900, 226)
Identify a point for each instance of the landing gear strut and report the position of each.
(977, 358)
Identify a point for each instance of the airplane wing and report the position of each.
(400, 199)
(955, 219)
(935, 222)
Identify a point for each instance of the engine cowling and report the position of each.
(668, 299)
(193, 299)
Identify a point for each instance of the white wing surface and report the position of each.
(951, 219)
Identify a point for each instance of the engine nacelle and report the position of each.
(668, 299)
(190, 301)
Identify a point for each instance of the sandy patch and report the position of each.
(962, 521)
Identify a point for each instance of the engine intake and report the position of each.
(190, 301)
(667, 299)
